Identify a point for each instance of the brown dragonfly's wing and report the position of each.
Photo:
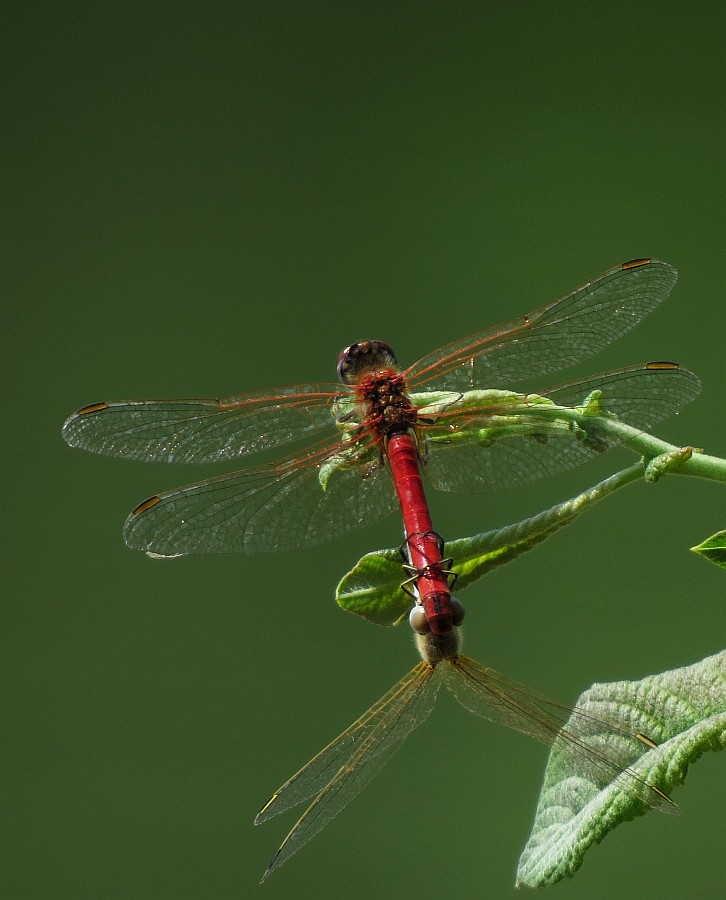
(557, 335)
(640, 396)
(340, 772)
(595, 747)
(202, 431)
(280, 506)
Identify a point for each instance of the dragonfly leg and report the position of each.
(441, 567)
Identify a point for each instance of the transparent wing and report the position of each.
(280, 506)
(202, 431)
(557, 335)
(341, 771)
(640, 396)
(580, 737)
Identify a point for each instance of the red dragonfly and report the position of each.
(444, 411)
(585, 741)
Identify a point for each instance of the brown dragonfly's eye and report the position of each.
(418, 621)
(362, 357)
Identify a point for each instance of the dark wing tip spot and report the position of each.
(146, 505)
(635, 263)
(92, 408)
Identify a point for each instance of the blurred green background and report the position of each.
(204, 200)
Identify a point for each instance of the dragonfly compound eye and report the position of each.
(418, 621)
(362, 357)
(457, 610)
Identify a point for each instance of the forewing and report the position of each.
(281, 506)
(202, 431)
(579, 736)
(341, 771)
(640, 396)
(559, 334)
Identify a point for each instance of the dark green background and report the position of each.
(205, 200)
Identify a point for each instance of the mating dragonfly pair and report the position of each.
(452, 414)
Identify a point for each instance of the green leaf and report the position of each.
(372, 589)
(685, 712)
(713, 549)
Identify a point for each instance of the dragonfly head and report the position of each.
(435, 647)
(421, 625)
(362, 357)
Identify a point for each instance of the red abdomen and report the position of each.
(423, 543)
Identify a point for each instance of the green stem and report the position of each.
(699, 465)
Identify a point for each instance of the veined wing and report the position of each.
(295, 502)
(341, 771)
(461, 459)
(202, 431)
(557, 335)
(599, 749)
